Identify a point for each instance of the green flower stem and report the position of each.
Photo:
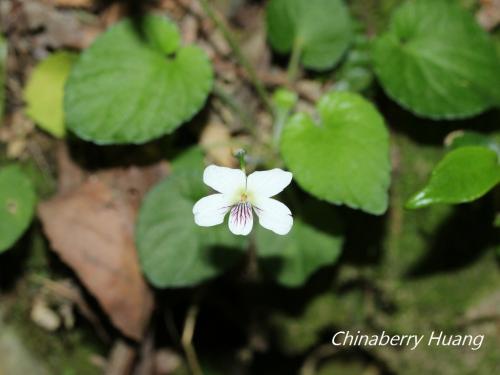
(280, 117)
(240, 155)
(217, 20)
(252, 262)
(283, 102)
(293, 65)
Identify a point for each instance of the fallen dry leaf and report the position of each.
(91, 228)
(71, 176)
(60, 29)
(216, 141)
(189, 29)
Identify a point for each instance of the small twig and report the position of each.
(312, 360)
(293, 64)
(187, 340)
(235, 108)
(220, 23)
(170, 325)
(121, 359)
(41, 162)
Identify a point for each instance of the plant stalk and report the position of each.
(220, 23)
(293, 64)
(187, 340)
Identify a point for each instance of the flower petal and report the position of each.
(268, 183)
(211, 210)
(274, 215)
(224, 180)
(241, 218)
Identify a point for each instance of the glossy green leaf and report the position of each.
(355, 73)
(469, 138)
(344, 157)
(3, 62)
(17, 203)
(436, 61)
(132, 86)
(291, 259)
(188, 167)
(320, 29)
(173, 250)
(464, 174)
(44, 92)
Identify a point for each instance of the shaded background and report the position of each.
(404, 272)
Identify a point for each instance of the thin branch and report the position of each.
(293, 64)
(187, 340)
(221, 24)
(310, 364)
(41, 163)
(236, 108)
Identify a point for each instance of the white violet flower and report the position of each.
(239, 194)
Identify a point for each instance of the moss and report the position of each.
(297, 334)
(63, 352)
(334, 367)
(439, 263)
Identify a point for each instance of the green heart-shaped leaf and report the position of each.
(343, 159)
(463, 175)
(437, 62)
(173, 250)
(44, 92)
(17, 203)
(291, 259)
(132, 86)
(320, 29)
(356, 72)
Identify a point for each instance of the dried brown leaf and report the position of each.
(216, 140)
(60, 29)
(73, 3)
(92, 229)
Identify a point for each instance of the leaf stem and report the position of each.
(279, 123)
(220, 23)
(293, 64)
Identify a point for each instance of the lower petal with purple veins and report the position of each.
(241, 218)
